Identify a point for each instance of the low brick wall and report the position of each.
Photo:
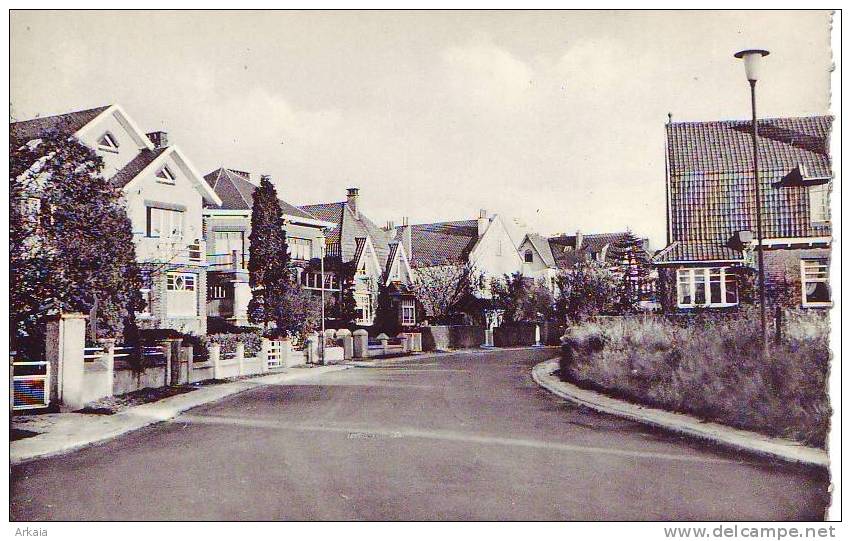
(514, 334)
(446, 337)
(127, 381)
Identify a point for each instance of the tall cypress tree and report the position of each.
(71, 241)
(269, 258)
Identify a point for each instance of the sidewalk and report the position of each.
(544, 375)
(63, 432)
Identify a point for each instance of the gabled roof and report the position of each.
(564, 246)
(391, 258)
(67, 123)
(350, 227)
(542, 246)
(441, 243)
(697, 251)
(237, 193)
(710, 182)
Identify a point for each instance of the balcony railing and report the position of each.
(235, 260)
(332, 249)
(175, 251)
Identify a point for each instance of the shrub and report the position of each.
(712, 366)
(252, 338)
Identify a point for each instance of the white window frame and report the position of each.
(166, 176)
(166, 219)
(181, 281)
(111, 144)
(408, 310)
(301, 249)
(815, 270)
(363, 301)
(706, 275)
(819, 201)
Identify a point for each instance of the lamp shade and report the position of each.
(752, 58)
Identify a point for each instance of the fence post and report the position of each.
(345, 337)
(383, 338)
(360, 344)
(240, 357)
(403, 339)
(265, 346)
(64, 351)
(214, 351)
(109, 359)
(312, 347)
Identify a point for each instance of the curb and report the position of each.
(112, 426)
(426, 355)
(741, 440)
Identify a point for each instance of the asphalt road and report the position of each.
(466, 437)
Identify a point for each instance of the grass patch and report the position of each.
(712, 367)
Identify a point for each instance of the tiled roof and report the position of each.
(350, 228)
(542, 245)
(563, 247)
(67, 122)
(391, 256)
(135, 166)
(696, 251)
(237, 193)
(444, 242)
(711, 183)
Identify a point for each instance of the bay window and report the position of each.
(707, 287)
(814, 282)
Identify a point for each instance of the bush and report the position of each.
(712, 366)
(252, 338)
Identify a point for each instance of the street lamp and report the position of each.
(753, 59)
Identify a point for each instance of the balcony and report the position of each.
(233, 261)
(174, 251)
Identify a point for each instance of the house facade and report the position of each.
(710, 257)
(357, 254)
(227, 228)
(484, 243)
(163, 195)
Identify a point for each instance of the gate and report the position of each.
(30, 385)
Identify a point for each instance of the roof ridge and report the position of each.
(748, 120)
(66, 113)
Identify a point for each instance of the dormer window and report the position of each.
(528, 257)
(166, 176)
(108, 142)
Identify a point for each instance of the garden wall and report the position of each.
(446, 337)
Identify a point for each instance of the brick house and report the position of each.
(227, 227)
(711, 214)
(163, 195)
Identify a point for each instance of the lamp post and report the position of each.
(752, 59)
(322, 292)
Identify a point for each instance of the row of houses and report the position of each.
(192, 230)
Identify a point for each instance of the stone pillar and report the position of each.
(265, 346)
(383, 338)
(312, 348)
(345, 338)
(215, 352)
(241, 298)
(360, 344)
(405, 345)
(240, 357)
(64, 351)
(488, 338)
(109, 359)
(537, 335)
(171, 351)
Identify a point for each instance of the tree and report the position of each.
(268, 262)
(585, 290)
(348, 311)
(632, 271)
(386, 315)
(521, 299)
(442, 289)
(71, 241)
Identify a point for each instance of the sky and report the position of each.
(554, 120)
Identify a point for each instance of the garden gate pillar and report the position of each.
(64, 352)
(360, 343)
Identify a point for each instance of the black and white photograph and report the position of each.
(413, 265)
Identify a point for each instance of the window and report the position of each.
(166, 176)
(108, 142)
(165, 223)
(216, 292)
(708, 287)
(228, 242)
(300, 249)
(528, 257)
(819, 203)
(814, 282)
(363, 302)
(409, 312)
(312, 280)
(180, 281)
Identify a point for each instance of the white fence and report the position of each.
(30, 385)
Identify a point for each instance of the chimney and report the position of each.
(352, 200)
(578, 240)
(158, 138)
(405, 235)
(265, 177)
(483, 222)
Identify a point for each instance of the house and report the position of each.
(358, 252)
(227, 227)
(484, 243)
(711, 212)
(164, 194)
